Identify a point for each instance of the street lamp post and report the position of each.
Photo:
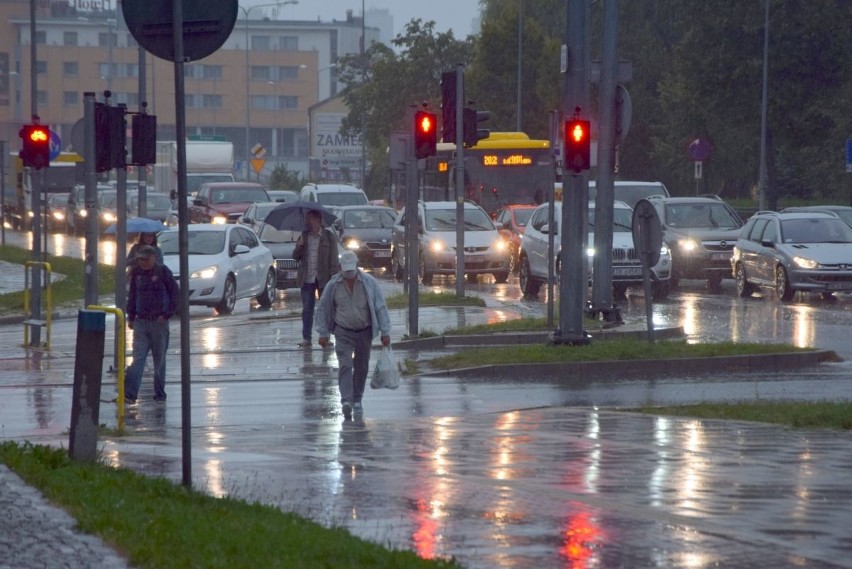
(246, 12)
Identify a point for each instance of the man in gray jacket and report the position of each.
(353, 308)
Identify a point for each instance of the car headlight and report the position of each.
(500, 245)
(688, 245)
(30, 214)
(108, 216)
(219, 220)
(205, 273)
(590, 252)
(58, 215)
(664, 250)
(353, 244)
(436, 246)
(83, 213)
(805, 263)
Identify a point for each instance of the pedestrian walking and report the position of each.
(353, 308)
(316, 252)
(151, 301)
(144, 239)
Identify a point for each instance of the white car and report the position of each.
(226, 263)
(626, 264)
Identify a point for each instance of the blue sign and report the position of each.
(55, 145)
(849, 155)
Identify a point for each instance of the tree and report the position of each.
(282, 178)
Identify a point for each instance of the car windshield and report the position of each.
(153, 201)
(269, 234)
(445, 220)
(341, 198)
(622, 219)
(815, 230)
(200, 242)
(367, 219)
(240, 195)
(701, 216)
(523, 215)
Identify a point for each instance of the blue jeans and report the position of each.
(310, 291)
(353, 357)
(148, 336)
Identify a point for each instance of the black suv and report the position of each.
(701, 232)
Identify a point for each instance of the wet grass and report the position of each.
(155, 523)
(803, 415)
(68, 290)
(434, 299)
(610, 350)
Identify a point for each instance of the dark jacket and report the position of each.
(152, 293)
(326, 257)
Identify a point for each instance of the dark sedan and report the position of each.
(281, 243)
(366, 231)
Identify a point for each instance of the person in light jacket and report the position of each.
(353, 308)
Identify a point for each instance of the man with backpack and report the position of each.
(151, 301)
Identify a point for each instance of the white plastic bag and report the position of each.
(385, 375)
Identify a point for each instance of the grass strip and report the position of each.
(434, 299)
(799, 414)
(610, 350)
(158, 524)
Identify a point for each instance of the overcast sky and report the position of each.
(457, 15)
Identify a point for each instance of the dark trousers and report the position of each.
(310, 291)
(353, 356)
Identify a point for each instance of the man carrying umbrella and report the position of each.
(316, 251)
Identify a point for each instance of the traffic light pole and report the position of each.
(412, 234)
(91, 197)
(460, 181)
(35, 293)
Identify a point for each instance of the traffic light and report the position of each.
(144, 140)
(110, 137)
(578, 138)
(425, 134)
(35, 146)
(448, 106)
(472, 132)
(102, 132)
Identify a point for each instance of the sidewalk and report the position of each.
(515, 471)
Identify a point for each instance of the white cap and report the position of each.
(348, 261)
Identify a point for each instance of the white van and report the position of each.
(629, 192)
(333, 194)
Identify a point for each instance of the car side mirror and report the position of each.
(239, 249)
(197, 201)
(767, 243)
(499, 225)
(173, 195)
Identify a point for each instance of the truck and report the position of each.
(206, 161)
(60, 177)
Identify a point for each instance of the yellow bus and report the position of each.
(505, 168)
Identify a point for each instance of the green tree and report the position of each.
(282, 178)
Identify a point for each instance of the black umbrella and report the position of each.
(291, 215)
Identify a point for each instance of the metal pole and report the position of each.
(412, 234)
(460, 180)
(33, 61)
(90, 198)
(363, 113)
(35, 194)
(142, 172)
(248, 94)
(555, 119)
(761, 184)
(520, 59)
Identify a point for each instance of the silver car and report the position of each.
(788, 252)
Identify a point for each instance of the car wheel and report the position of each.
(501, 278)
(529, 286)
(782, 284)
(714, 282)
(229, 297)
(425, 276)
(396, 266)
(660, 290)
(744, 288)
(267, 297)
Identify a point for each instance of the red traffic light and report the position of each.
(425, 134)
(577, 145)
(35, 146)
(578, 132)
(39, 135)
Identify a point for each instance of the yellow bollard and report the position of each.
(121, 336)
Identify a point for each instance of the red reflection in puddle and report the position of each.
(581, 541)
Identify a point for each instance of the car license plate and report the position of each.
(835, 286)
(290, 275)
(627, 271)
(471, 259)
(382, 253)
(721, 256)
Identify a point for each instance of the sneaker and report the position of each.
(159, 399)
(347, 410)
(129, 401)
(357, 408)
(304, 344)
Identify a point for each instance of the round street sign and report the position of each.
(206, 26)
(699, 150)
(55, 145)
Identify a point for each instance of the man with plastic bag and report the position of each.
(353, 308)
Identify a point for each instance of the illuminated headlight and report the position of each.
(205, 273)
(30, 213)
(688, 245)
(58, 215)
(353, 244)
(805, 263)
(590, 252)
(219, 220)
(664, 250)
(500, 245)
(83, 213)
(437, 246)
(108, 216)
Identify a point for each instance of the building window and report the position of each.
(288, 102)
(287, 72)
(104, 40)
(41, 37)
(212, 71)
(288, 43)
(189, 101)
(129, 99)
(260, 43)
(130, 70)
(211, 101)
(70, 98)
(261, 102)
(42, 98)
(69, 38)
(104, 70)
(70, 68)
(259, 73)
(41, 67)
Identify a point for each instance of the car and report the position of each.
(514, 220)
(333, 194)
(283, 196)
(224, 202)
(844, 212)
(807, 251)
(157, 205)
(256, 213)
(108, 207)
(75, 209)
(700, 232)
(626, 264)
(485, 252)
(226, 263)
(55, 204)
(630, 191)
(366, 230)
(281, 243)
